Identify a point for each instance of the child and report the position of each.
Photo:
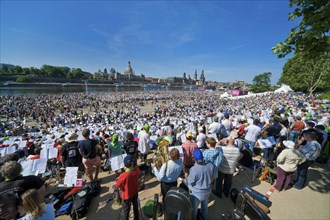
(213, 155)
(128, 183)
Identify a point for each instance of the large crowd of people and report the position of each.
(215, 135)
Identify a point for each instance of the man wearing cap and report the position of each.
(287, 162)
(188, 148)
(71, 156)
(200, 181)
(311, 150)
(127, 182)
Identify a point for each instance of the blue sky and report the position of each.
(230, 40)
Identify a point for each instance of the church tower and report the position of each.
(195, 76)
(202, 78)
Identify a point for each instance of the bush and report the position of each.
(22, 79)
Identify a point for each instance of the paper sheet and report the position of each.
(11, 149)
(179, 149)
(52, 152)
(70, 178)
(117, 162)
(265, 143)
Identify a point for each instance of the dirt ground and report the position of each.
(312, 202)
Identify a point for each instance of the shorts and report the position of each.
(89, 163)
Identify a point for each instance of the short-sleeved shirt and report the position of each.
(71, 152)
(188, 149)
(88, 148)
(117, 149)
(21, 184)
(131, 147)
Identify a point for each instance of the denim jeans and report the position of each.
(223, 184)
(204, 206)
(302, 174)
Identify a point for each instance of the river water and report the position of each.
(57, 89)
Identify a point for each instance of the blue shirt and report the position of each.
(213, 156)
(311, 150)
(200, 180)
(173, 171)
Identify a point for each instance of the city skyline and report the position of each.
(230, 40)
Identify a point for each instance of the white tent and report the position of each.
(224, 95)
(284, 88)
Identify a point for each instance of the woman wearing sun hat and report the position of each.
(287, 162)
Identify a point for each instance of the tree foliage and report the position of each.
(22, 79)
(261, 82)
(311, 36)
(307, 74)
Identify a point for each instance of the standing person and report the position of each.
(201, 137)
(188, 157)
(200, 181)
(252, 134)
(35, 207)
(227, 127)
(71, 156)
(169, 172)
(296, 128)
(231, 155)
(215, 128)
(115, 149)
(131, 147)
(287, 162)
(310, 151)
(213, 155)
(89, 151)
(128, 184)
(144, 142)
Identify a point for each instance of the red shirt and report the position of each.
(188, 153)
(128, 183)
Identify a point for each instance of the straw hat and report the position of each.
(71, 137)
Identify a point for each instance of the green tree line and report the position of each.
(46, 71)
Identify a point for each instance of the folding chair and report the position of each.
(253, 170)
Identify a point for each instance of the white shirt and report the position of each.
(253, 132)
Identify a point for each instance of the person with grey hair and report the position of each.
(15, 182)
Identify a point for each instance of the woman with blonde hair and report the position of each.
(35, 207)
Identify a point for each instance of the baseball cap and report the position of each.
(189, 135)
(198, 155)
(128, 159)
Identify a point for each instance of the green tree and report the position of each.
(18, 70)
(105, 70)
(77, 73)
(307, 74)
(311, 36)
(26, 71)
(5, 70)
(22, 79)
(35, 71)
(261, 82)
